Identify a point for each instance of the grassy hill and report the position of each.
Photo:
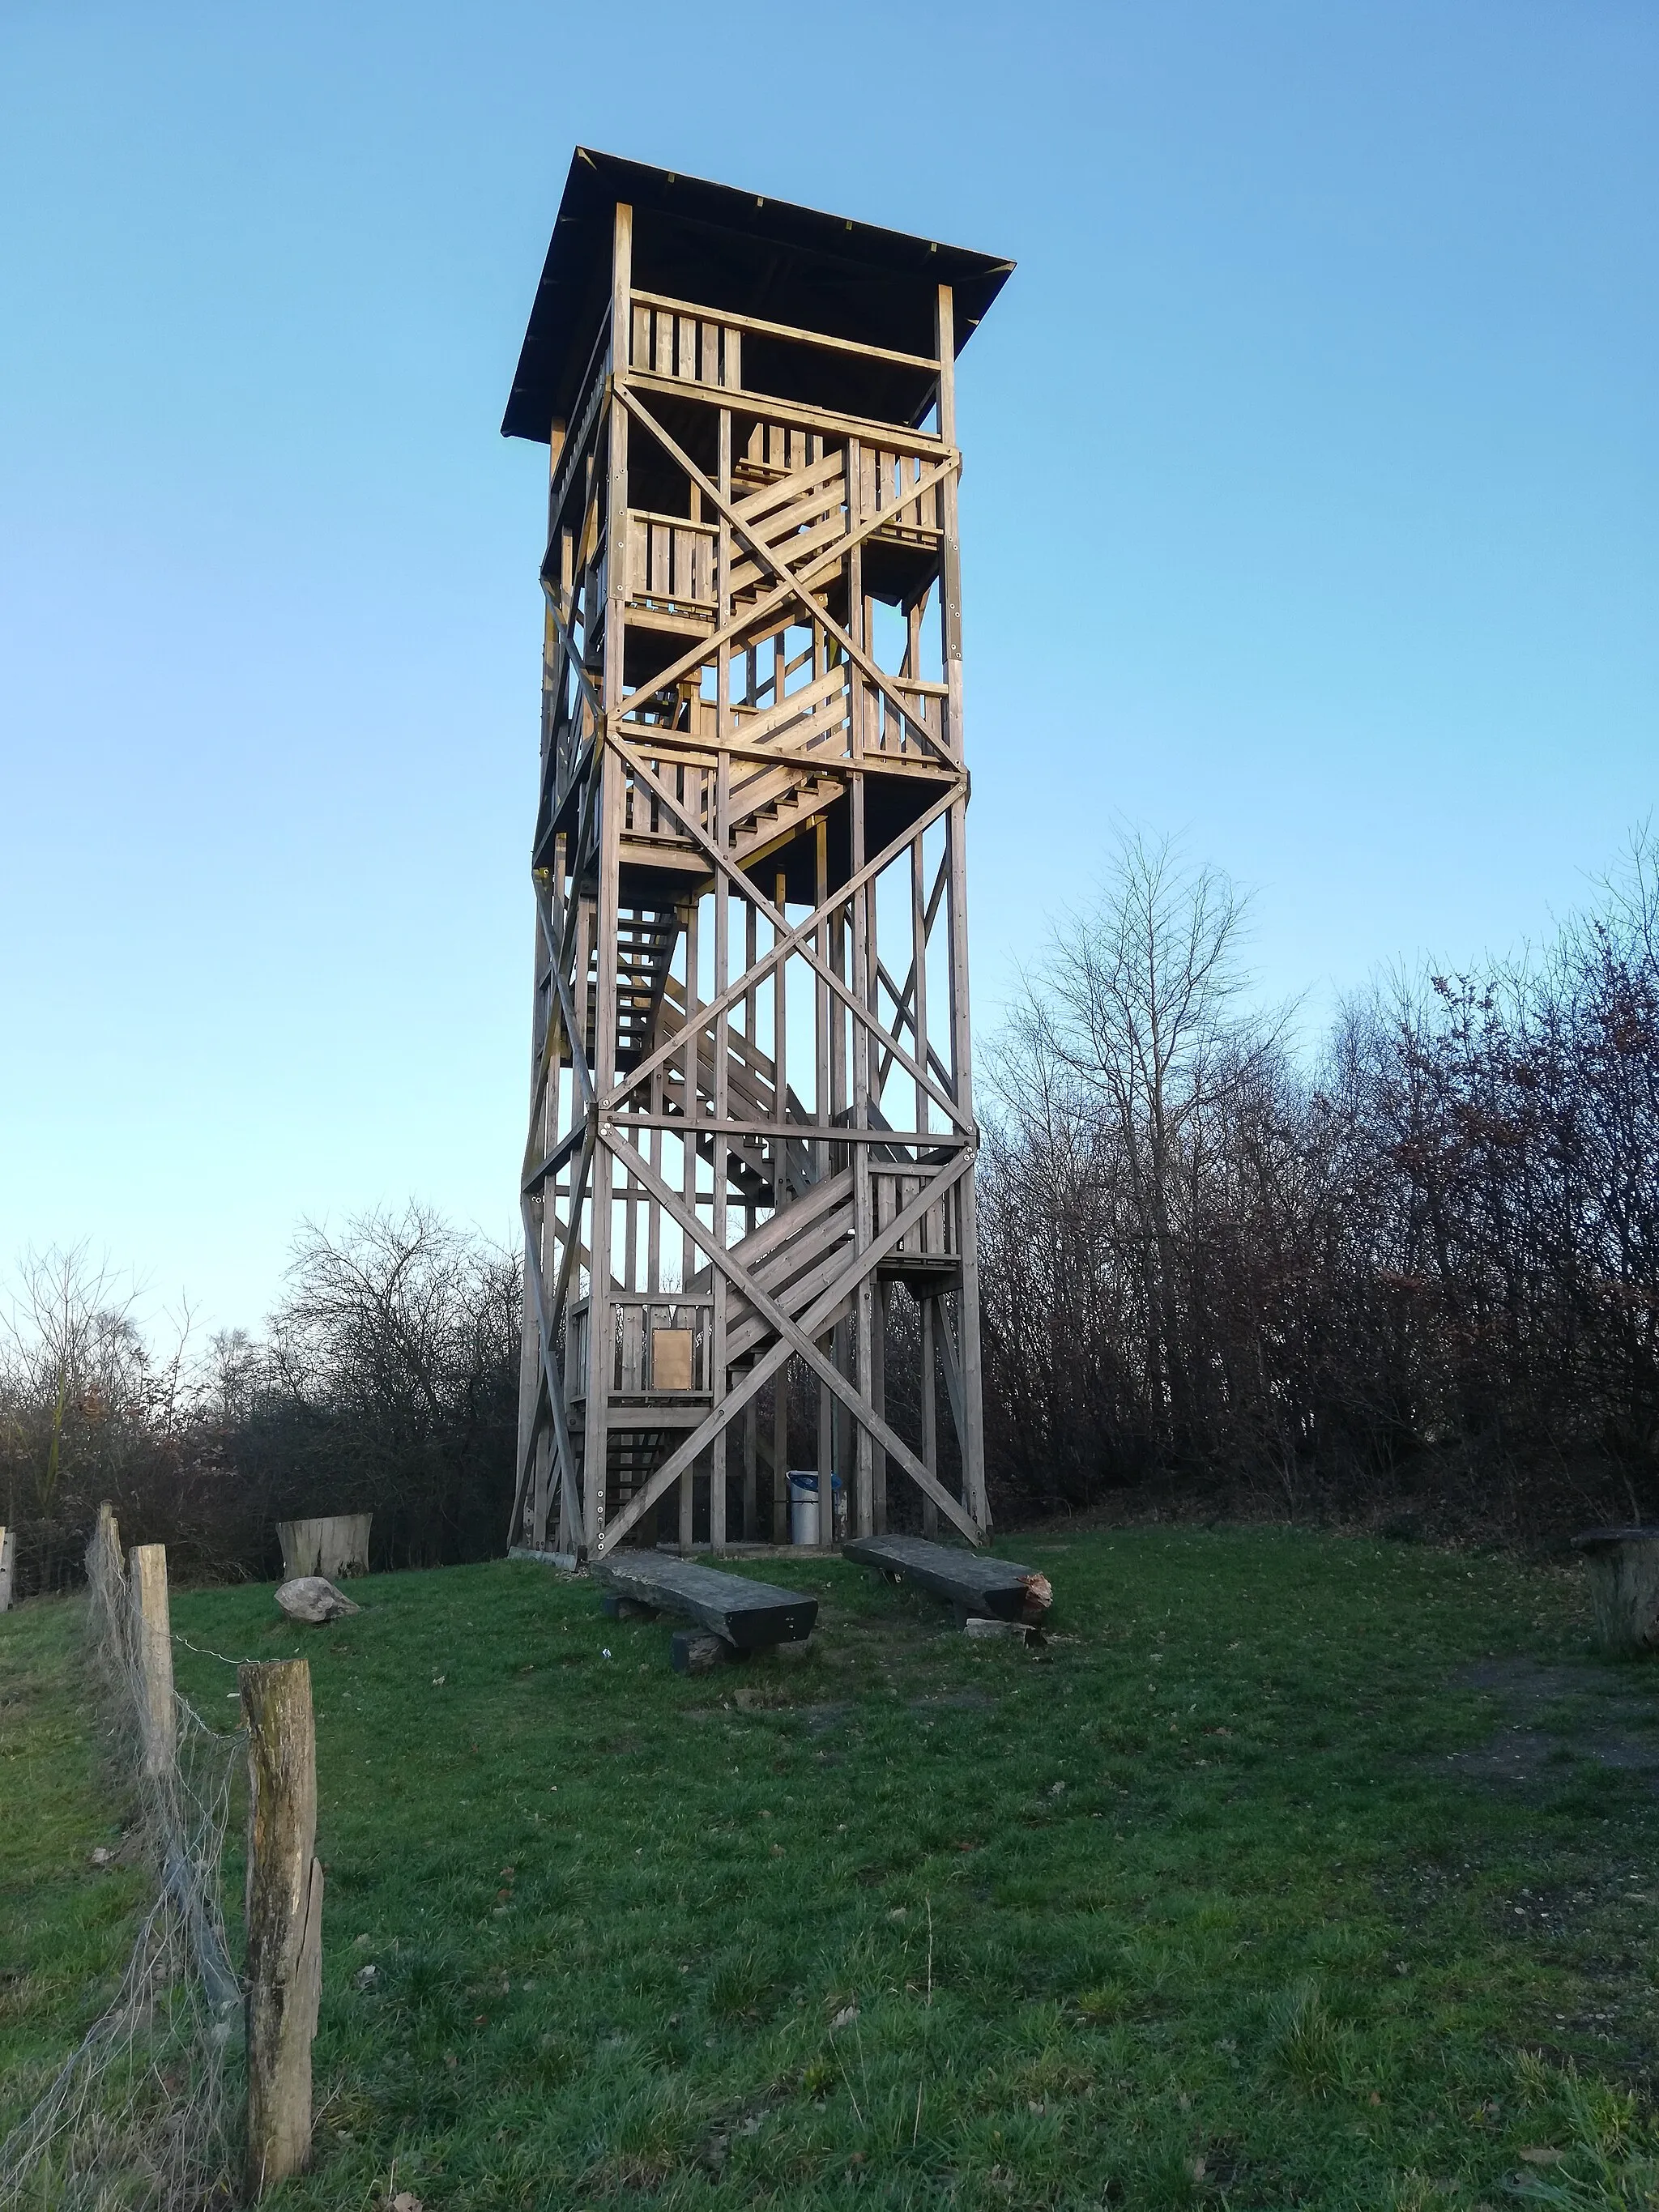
(1293, 1870)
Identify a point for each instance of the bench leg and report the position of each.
(1016, 1631)
(626, 1608)
(694, 1651)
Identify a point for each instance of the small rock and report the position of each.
(100, 1856)
(406, 2201)
(366, 1977)
(314, 1598)
(844, 2018)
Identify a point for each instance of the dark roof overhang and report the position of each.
(741, 252)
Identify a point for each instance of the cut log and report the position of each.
(748, 1615)
(311, 1598)
(337, 1545)
(978, 1585)
(1623, 1566)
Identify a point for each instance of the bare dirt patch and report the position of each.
(1553, 1717)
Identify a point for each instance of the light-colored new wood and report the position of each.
(283, 1967)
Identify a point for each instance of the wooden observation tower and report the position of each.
(748, 1186)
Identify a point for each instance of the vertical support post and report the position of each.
(284, 1917)
(721, 1088)
(152, 1645)
(751, 1474)
(689, 1177)
(929, 1413)
(8, 1550)
(973, 1440)
(780, 1454)
(877, 1392)
(601, 1328)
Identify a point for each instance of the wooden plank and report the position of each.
(747, 1615)
(996, 1590)
(798, 413)
(802, 337)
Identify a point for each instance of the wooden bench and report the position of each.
(737, 1616)
(1624, 1583)
(979, 1587)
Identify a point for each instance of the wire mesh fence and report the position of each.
(141, 2117)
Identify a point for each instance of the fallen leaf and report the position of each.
(848, 2013)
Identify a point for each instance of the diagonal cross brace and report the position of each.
(790, 940)
(791, 1337)
(762, 552)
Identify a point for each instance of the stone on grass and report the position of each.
(313, 1598)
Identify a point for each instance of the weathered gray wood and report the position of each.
(152, 1645)
(988, 1588)
(8, 1549)
(746, 1615)
(105, 1567)
(336, 1544)
(284, 1917)
(1623, 1568)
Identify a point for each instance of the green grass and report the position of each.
(1245, 1891)
(65, 1925)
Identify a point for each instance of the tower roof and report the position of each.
(724, 248)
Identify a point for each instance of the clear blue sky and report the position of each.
(1310, 512)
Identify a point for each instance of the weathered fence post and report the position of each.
(104, 1569)
(7, 1552)
(284, 1917)
(152, 1645)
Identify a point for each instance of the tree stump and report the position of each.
(335, 1545)
(1623, 1565)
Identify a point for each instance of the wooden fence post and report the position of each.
(284, 1917)
(8, 1554)
(103, 1568)
(152, 1644)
